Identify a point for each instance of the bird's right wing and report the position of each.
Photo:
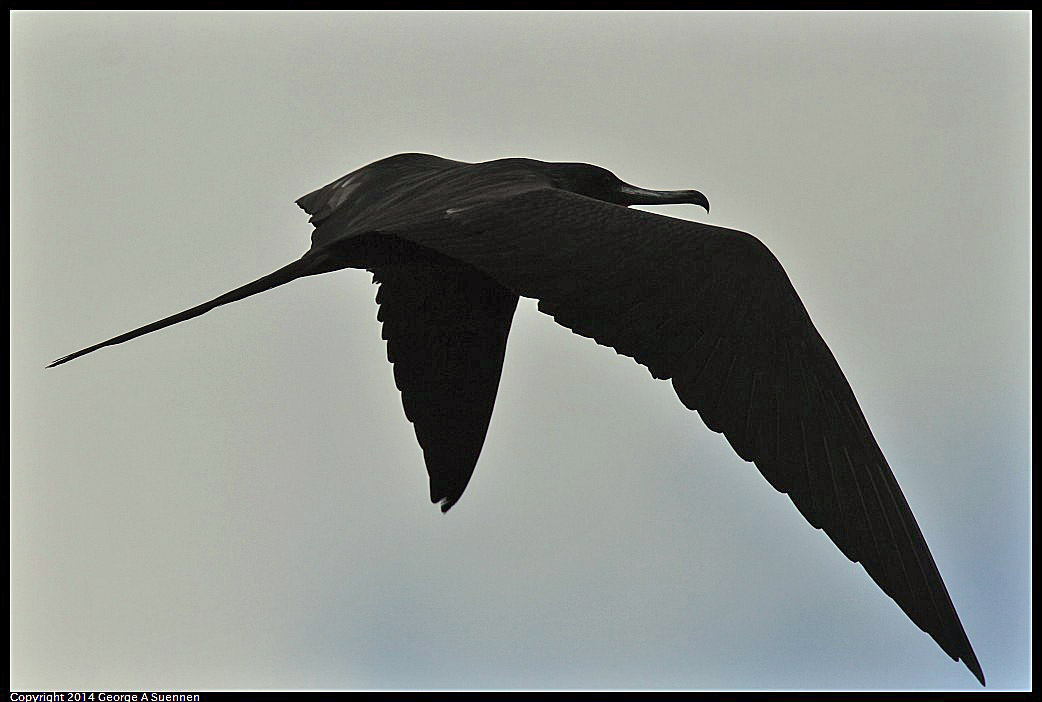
(713, 310)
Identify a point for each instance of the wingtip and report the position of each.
(445, 503)
(443, 500)
(970, 661)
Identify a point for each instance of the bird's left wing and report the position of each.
(446, 326)
(713, 310)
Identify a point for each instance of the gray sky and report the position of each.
(239, 502)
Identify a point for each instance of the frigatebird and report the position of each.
(453, 245)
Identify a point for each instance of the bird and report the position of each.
(453, 245)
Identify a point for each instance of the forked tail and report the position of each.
(306, 265)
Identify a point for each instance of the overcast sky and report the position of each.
(239, 502)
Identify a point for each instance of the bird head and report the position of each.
(602, 184)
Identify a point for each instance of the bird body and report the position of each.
(454, 245)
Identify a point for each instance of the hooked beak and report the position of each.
(632, 195)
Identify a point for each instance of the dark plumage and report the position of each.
(453, 245)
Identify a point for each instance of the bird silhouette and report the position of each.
(453, 245)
